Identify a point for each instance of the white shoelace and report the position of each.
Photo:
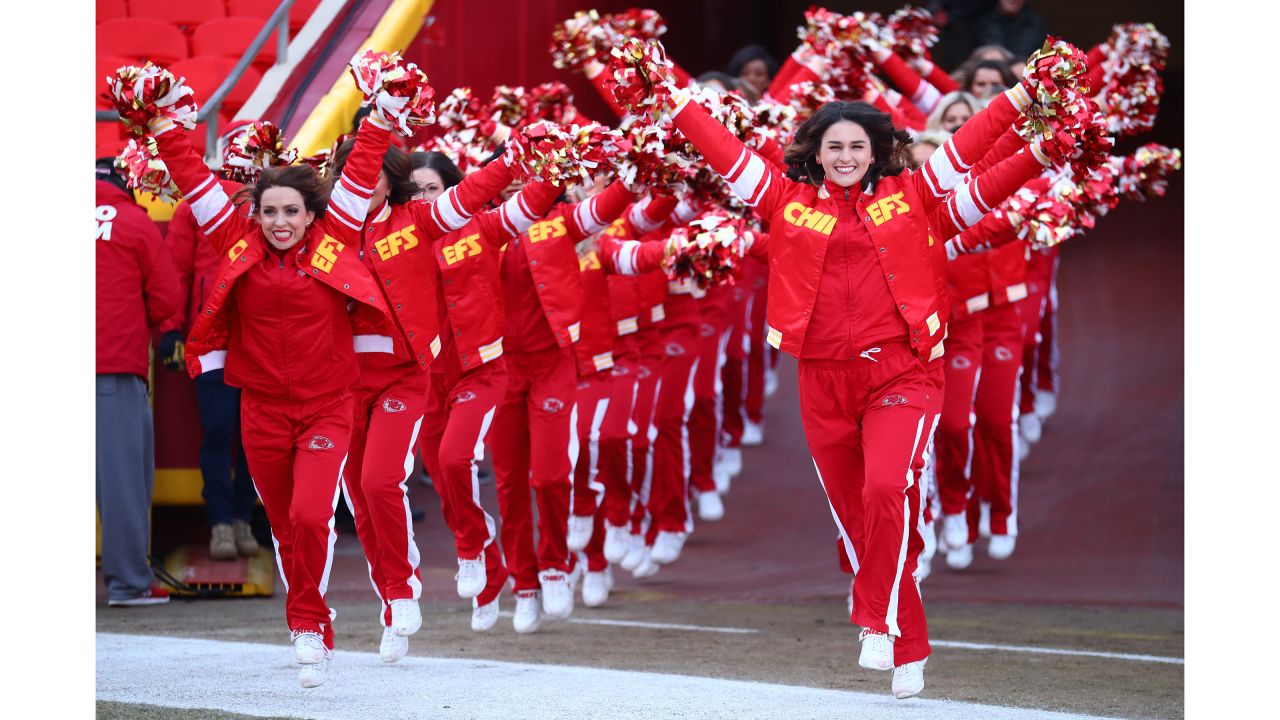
(868, 353)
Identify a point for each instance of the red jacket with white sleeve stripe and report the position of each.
(901, 213)
(328, 252)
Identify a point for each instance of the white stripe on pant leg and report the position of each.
(275, 543)
(333, 535)
(573, 457)
(891, 615)
(973, 420)
(593, 451)
(476, 456)
(368, 561)
(722, 356)
(925, 485)
(844, 536)
(1011, 523)
(412, 550)
(687, 465)
(646, 486)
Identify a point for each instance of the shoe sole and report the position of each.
(905, 695)
(877, 668)
(138, 603)
(406, 632)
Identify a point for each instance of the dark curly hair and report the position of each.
(889, 146)
(303, 178)
(396, 164)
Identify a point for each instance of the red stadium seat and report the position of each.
(299, 13)
(206, 73)
(103, 67)
(142, 39)
(230, 37)
(111, 10)
(186, 14)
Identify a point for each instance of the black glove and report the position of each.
(171, 351)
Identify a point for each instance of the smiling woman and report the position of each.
(285, 201)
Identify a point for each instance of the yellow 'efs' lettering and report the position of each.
(798, 214)
(617, 228)
(326, 254)
(547, 229)
(396, 243)
(590, 261)
(463, 249)
(886, 208)
(238, 249)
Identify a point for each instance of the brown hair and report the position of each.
(396, 164)
(303, 178)
(888, 145)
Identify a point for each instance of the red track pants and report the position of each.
(866, 425)
(708, 390)
(296, 451)
(389, 402)
(669, 490)
(648, 377)
(459, 411)
(535, 446)
(756, 361)
(733, 376)
(977, 462)
(1040, 351)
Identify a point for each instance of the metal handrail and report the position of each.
(278, 18)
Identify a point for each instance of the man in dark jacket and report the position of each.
(1014, 25)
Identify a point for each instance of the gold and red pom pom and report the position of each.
(142, 94)
(256, 147)
(142, 168)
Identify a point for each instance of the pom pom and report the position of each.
(807, 97)
(844, 41)
(1145, 173)
(1047, 220)
(398, 90)
(639, 23)
(638, 75)
(322, 161)
(776, 121)
(143, 170)
(709, 250)
(507, 106)
(549, 101)
(1067, 123)
(1135, 56)
(142, 94)
(255, 148)
(581, 38)
(564, 157)
(650, 155)
(910, 32)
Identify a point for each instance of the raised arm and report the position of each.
(758, 183)
(979, 195)
(936, 76)
(630, 257)
(214, 212)
(922, 94)
(459, 203)
(594, 214)
(993, 231)
(349, 201)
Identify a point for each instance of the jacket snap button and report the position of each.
(457, 332)
(868, 218)
(881, 249)
(346, 286)
(388, 282)
(208, 312)
(315, 272)
(533, 262)
(371, 299)
(410, 334)
(453, 304)
(902, 307)
(399, 306)
(891, 276)
(540, 286)
(222, 285)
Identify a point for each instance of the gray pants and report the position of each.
(126, 471)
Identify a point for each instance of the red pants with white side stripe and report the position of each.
(733, 375)
(756, 360)
(648, 378)
(708, 390)
(296, 451)
(1040, 325)
(389, 402)
(669, 489)
(977, 462)
(535, 446)
(866, 425)
(459, 411)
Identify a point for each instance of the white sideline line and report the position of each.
(1057, 651)
(655, 626)
(261, 680)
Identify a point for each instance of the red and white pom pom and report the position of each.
(255, 148)
(1145, 173)
(143, 170)
(646, 156)
(709, 250)
(549, 101)
(822, 28)
(322, 161)
(638, 23)
(142, 94)
(775, 120)
(638, 75)
(596, 147)
(507, 106)
(729, 109)
(1135, 56)
(1098, 193)
(1053, 74)
(910, 32)
(398, 90)
(1047, 219)
(567, 158)
(583, 37)
(807, 97)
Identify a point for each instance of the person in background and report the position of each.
(986, 79)
(1015, 26)
(960, 26)
(137, 290)
(926, 142)
(754, 66)
(951, 112)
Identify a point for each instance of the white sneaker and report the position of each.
(308, 648)
(731, 458)
(393, 646)
(955, 531)
(580, 527)
(849, 602)
(1030, 427)
(647, 567)
(984, 520)
(908, 680)
(721, 477)
(930, 535)
(1046, 404)
(710, 508)
(471, 577)
(770, 382)
(557, 594)
(406, 618)
(667, 547)
(483, 617)
(1024, 449)
(877, 650)
(608, 578)
(923, 568)
(1001, 546)
(595, 589)
(617, 541)
(635, 554)
(315, 674)
(960, 558)
(528, 615)
(752, 433)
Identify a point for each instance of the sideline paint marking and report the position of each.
(1057, 651)
(655, 626)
